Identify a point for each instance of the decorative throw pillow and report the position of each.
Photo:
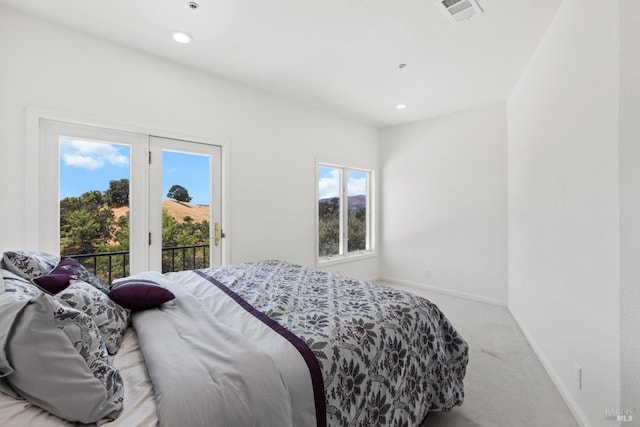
(111, 319)
(19, 286)
(54, 358)
(55, 281)
(139, 294)
(81, 273)
(29, 264)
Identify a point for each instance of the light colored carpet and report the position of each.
(505, 384)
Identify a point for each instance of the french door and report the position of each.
(145, 202)
(185, 188)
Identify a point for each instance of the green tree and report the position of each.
(329, 226)
(86, 223)
(83, 232)
(118, 193)
(175, 234)
(91, 200)
(179, 193)
(170, 230)
(121, 237)
(357, 221)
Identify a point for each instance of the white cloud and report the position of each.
(356, 184)
(91, 155)
(84, 162)
(329, 184)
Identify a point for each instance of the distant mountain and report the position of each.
(354, 203)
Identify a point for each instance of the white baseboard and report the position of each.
(555, 378)
(422, 286)
(573, 406)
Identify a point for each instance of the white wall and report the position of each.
(444, 185)
(630, 205)
(564, 235)
(274, 143)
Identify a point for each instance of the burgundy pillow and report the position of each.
(81, 273)
(57, 280)
(139, 294)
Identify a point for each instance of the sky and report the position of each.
(89, 165)
(329, 182)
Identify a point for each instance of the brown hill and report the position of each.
(177, 210)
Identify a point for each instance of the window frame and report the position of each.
(344, 255)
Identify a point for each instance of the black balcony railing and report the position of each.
(108, 266)
(180, 258)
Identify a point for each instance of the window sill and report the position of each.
(341, 259)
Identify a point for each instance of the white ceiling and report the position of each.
(340, 55)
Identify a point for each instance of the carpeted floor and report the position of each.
(505, 384)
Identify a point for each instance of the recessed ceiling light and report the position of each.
(401, 106)
(181, 37)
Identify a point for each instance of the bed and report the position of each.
(264, 343)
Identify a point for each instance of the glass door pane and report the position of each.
(94, 192)
(186, 211)
(185, 203)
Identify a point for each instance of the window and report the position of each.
(344, 212)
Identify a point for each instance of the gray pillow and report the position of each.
(111, 319)
(54, 358)
(29, 264)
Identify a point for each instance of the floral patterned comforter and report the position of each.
(387, 357)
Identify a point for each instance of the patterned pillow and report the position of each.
(57, 360)
(85, 336)
(29, 264)
(81, 273)
(19, 286)
(111, 319)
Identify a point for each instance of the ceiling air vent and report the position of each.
(461, 10)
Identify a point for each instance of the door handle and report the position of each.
(217, 234)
